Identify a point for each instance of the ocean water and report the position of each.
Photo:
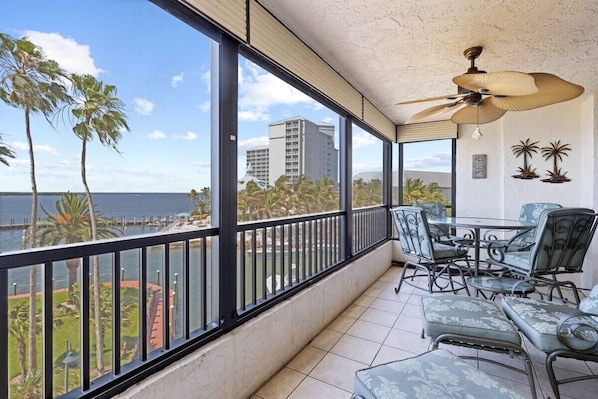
(16, 209)
(131, 206)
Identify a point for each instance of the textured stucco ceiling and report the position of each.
(401, 50)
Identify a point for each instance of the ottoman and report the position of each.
(475, 323)
(434, 374)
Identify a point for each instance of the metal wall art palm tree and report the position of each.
(526, 149)
(556, 151)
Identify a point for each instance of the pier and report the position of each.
(122, 222)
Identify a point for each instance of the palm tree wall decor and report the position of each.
(525, 148)
(556, 151)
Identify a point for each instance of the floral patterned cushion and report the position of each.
(538, 320)
(435, 374)
(463, 315)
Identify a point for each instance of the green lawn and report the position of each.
(69, 330)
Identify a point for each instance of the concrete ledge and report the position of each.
(237, 364)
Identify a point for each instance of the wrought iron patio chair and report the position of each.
(523, 239)
(441, 233)
(560, 330)
(436, 262)
(562, 240)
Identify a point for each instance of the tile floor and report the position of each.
(382, 326)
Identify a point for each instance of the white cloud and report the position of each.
(189, 136)
(259, 90)
(72, 56)
(45, 149)
(253, 142)
(176, 79)
(65, 162)
(431, 162)
(156, 134)
(19, 146)
(206, 106)
(258, 114)
(143, 106)
(363, 139)
(329, 120)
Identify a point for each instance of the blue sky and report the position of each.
(161, 68)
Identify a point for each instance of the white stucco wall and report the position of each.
(238, 363)
(501, 195)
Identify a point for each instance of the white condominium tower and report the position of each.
(296, 147)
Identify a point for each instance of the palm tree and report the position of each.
(326, 195)
(193, 197)
(526, 149)
(18, 327)
(72, 223)
(5, 152)
(556, 151)
(204, 201)
(31, 82)
(97, 112)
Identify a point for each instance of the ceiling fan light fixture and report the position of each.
(476, 135)
(485, 97)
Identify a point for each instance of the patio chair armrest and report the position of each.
(461, 246)
(582, 331)
(496, 250)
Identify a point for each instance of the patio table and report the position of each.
(476, 225)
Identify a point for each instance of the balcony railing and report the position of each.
(160, 294)
(370, 226)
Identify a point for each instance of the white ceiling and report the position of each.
(393, 51)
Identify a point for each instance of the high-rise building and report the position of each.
(287, 152)
(257, 162)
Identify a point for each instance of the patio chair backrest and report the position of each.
(531, 212)
(435, 210)
(562, 240)
(414, 233)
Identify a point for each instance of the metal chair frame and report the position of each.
(414, 235)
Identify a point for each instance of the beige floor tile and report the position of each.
(370, 331)
(281, 386)
(408, 323)
(342, 324)
(373, 291)
(357, 349)
(307, 359)
(387, 305)
(407, 341)
(392, 296)
(379, 317)
(311, 388)
(337, 370)
(354, 311)
(388, 354)
(364, 300)
(326, 339)
(411, 310)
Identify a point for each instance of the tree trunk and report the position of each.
(32, 338)
(22, 353)
(72, 265)
(96, 268)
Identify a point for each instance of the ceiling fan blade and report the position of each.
(507, 83)
(551, 90)
(433, 111)
(486, 112)
(447, 97)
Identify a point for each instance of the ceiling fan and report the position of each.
(485, 97)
